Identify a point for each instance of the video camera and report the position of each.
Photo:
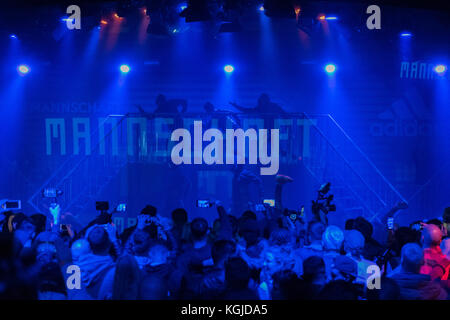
(322, 205)
(295, 215)
(8, 205)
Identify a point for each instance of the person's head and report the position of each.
(436, 222)
(263, 99)
(431, 235)
(349, 224)
(160, 99)
(199, 229)
(221, 251)
(314, 270)
(332, 238)
(79, 248)
(209, 107)
(46, 253)
(404, 235)
(445, 246)
(363, 226)
(315, 231)
(24, 228)
(126, 279)
(179, 217)
(40, 221)
(142, 240)
(284, 285)
(149, 210)
(439, 224)
(99, 241)
(353, 242)
(23, 223)
(250, 231)
(412, 257)
(248, 214)
(237, 273)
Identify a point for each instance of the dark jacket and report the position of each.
(415, 286)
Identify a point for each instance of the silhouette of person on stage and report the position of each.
(170, 106)
(264, 106)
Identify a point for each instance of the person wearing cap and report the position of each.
(354, 246)
(332, 240)
(144, 217)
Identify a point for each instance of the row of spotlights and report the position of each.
(330, 68)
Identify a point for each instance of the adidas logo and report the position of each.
(406, 117)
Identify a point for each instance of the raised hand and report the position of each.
(55, 211)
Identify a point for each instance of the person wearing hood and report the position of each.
(94, 265)
(414, 285)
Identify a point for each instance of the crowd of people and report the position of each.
(266, 255)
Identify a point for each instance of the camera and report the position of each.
(204, 204)
(7, 205)
(322, 205)
(270, 202)
(51, 193)
(295, 215)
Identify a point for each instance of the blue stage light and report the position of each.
(261, 8)
(124, 68)
(228, 68)
(440, 69)
(331, 18)
(182, 7)
(406, 34)
(13, 36)
(330, 68)
(23, 69)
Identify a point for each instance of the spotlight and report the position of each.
(182, 7)
(23, 69)
(321, 17)
(261, 8)
(228, 68)
(331, 18)
(116, 15)
(406, 34)
(330, 68)
(13, 36)
(124, 68)
(103, 22)
(440, 69)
